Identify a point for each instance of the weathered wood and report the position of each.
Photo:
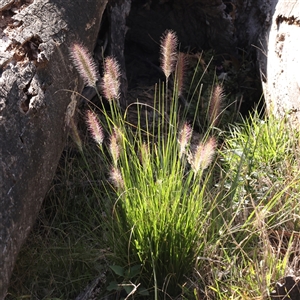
(272, 27)
(287, 288)
(251, 18)
(281, 61)
(34, 107)
(34, 70)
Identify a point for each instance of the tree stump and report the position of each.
(35, 107)
(280, 61)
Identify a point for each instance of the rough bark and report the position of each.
(34, 107)
(269, 29)
(272, 27)
(251, 18)
(287, 288)
(34, 70)
(280, 61)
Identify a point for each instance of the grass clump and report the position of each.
(260, 159)
(160, 204)
(175, 213)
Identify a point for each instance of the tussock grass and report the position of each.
(165, 212)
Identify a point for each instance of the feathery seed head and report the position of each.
(168, 51)
(144, 154)
(111, 79)
(114, 148)
(215, 105)
(185, 135)
(116, 178)
(119, 135)
(203, 155)
(84, 64)
(94, 127)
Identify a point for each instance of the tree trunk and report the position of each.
(35, 108)
(280, 61)
(269, 29)
(34, 71)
